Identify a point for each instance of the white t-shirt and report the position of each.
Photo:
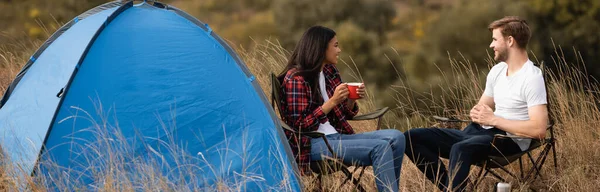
(513, 95)
(325, 128)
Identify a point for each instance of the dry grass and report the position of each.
(573, 101)
(574, 108)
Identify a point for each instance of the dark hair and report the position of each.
(515, 27)
(308, 57)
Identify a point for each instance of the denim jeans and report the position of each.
(463, 148)
(383, 149)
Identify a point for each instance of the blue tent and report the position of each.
(125, 85)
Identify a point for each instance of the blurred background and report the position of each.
(419, 57)
(390, 42)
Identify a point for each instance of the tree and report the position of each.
(362, 27)
(571, 24)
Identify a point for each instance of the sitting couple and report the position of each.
(315, 99)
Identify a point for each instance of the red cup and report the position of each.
(352, 90)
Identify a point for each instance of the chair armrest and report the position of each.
(312, 134)
(500, 136)
(451, 119)
(286, 126)
(372, 115)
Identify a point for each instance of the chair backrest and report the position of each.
(276, 94)
(545, 75)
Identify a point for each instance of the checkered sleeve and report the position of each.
(351, 112)
(298, 96)
(337, 80)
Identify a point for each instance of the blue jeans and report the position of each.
(383, 149)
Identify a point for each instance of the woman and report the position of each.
(315, 99)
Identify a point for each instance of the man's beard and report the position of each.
(502, 56)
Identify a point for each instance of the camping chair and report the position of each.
(332, 164)
(492, 163)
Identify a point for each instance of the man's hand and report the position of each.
(483, 114)
(474, 114)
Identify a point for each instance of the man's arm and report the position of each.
(535, 95)
(483, 101)
(535, 127)
(487, 100)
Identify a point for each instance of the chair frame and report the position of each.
(330, 164)
(499, 162)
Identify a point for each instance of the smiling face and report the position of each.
(499, 45)
(333, 51)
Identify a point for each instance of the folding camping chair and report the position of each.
(492, 163)
(333, 164)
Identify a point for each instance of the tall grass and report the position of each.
(108, 160)
(573, 106)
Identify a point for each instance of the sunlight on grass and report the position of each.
(573, 104)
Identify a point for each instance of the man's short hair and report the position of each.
(515, 27)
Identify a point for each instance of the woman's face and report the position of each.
(333, 51)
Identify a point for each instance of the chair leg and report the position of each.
(497, 176)
(478, 178)
(356, 182)
(506, 171)
(554, 154)
(350, 176)
(545, 154)
(533, 165)
(320, 182)
(521, 167)
(361, 173)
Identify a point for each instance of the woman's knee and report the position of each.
(394, 134)
(381, 145)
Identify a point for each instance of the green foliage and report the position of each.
(35, 19)
(362, 28)
(239, 21)
(293, 17)
(571, 24)
(390, 42)
(461, 31)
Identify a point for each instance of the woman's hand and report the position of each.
(361, 91)
(340, 94)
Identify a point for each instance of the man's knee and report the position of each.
(460, 148)
(416, 135)
(468, 149)
(412, 138)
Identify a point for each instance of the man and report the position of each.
(514, 87)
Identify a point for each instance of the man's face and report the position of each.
(499, 45)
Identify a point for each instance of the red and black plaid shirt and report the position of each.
(304, 114)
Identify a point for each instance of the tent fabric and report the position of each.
(144, 83)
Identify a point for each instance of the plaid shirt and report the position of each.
(304, 114)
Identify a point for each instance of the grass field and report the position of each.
(574, 108)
